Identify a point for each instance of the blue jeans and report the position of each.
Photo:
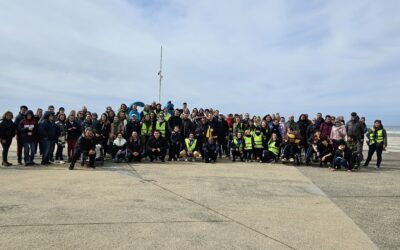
(29, 152)
(46, 150)
(340, 162)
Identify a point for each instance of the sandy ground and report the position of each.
(200, 206)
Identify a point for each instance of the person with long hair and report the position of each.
(8, 130)
(377, 142)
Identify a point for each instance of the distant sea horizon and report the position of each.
(394, 130)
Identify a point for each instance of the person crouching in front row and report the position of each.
(134, 150)
(190, 150)
(119, 148)
(156, 147)
(342, 157)
(86, 146)
(210, 150)
(272, 153)
(237, 146)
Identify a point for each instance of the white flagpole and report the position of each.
(161, 76)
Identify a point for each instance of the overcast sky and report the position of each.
(260, 57)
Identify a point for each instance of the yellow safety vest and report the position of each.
(248, 143)
(146, 130)
(240, 146)
(273, 148)
(258, 141)
(161, 127)
(192, 147)
(379, 136)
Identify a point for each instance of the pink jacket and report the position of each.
(338, 133)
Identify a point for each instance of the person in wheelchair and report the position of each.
(84, 146)
(292, 146)
(119, 148)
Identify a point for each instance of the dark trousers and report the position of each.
(290, 150)
(29, 152)
(200, 142)
(257, 153)
(59, 152)
(268, 156)
(6, 147)
(131, 157)
(247, 154)
(46, 147)
(174, 150)
(70, 150)
(152, 155)
(20, 145)
(372, 148)
(339, 162)
(210, 156)
(77, 155)
(52, 147)
(222, 146)
(309, 153)
(237, 153)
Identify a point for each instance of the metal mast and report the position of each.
(161, 77)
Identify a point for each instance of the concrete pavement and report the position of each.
(171, 206)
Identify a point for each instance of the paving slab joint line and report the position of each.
(111, 223)
(210, 209)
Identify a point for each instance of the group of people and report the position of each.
(156, 132)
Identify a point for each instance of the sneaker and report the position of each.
(62, 162)
(71, 167)
(291, 160)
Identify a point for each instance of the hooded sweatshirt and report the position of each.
(28, 128)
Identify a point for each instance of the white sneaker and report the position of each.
(62, 162)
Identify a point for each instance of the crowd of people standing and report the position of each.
(156, 132)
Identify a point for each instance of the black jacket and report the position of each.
(160, 143)
(7, 129)
(85, 144)
(18, 120)
(47, 129)
(175, 138)
(211, 147)
(132, 126)
(346, 154)
(187, 127)
(103, 129)
(174, 121)
(74, 130)
(135, 146)
(222, 128)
